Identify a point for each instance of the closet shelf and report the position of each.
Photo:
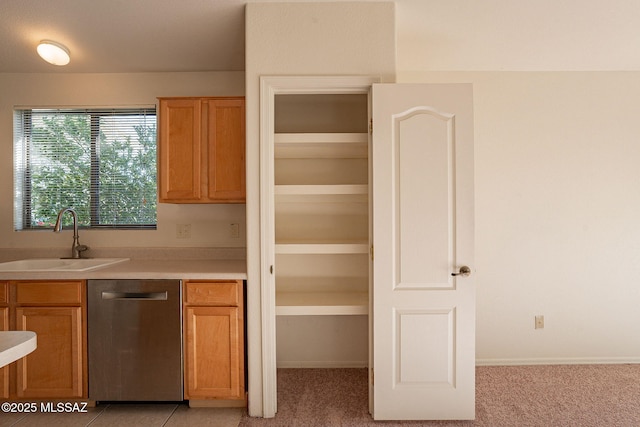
(321, 190)
(325, 303)
(321, 248)
(314, 194)
(320, 145)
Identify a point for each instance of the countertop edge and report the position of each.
(15, 345)
(146, 269)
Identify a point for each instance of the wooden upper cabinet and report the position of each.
(226, 145)
(179, 169)
(202, 150)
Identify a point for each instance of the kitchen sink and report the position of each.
(58, 264)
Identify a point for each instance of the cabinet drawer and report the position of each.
(49, 292)
(214, 292)
(4, 288)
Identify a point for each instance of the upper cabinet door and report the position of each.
(179, 137)
(226, 146)
(202, 150)
(423, 315)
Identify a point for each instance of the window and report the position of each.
(100, 162)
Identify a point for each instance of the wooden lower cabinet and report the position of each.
(4, 371)
(213, 322)
(55, 368)
(214, 340)
(56, 312)
(4, 326)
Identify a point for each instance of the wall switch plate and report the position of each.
(539, 322)
(183, 231)
(234, 230)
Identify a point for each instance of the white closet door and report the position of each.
(423, 316)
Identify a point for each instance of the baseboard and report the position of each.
(323, 364)
(559, 361)
(479, 362)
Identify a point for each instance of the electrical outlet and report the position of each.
(539, 322)
(234, 230)
(183, 231)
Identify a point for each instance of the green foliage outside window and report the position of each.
(101, 164)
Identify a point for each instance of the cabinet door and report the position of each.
(4, 372)
(55, 368)
(226, 145)
(214, 355)
(179, 168)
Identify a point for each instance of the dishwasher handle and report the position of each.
(133, 296)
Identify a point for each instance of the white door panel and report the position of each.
(423, 317)
(423, 198)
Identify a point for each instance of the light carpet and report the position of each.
(522, 396)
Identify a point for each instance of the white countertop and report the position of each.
(16, 344)
(234, 269)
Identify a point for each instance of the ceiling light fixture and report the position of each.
(53, 52)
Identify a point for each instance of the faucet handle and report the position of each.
(81, 248)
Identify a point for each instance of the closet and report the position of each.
(321, 225)
(329, 185)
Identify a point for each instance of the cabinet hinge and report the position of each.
(371, 251)
(371, 126)
(271, 269)
(373, 382)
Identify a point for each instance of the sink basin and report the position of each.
(58, 264)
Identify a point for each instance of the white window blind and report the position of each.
(100, 162)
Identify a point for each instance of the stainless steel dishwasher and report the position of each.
(134, 340)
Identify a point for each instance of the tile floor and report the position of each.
(130, 414)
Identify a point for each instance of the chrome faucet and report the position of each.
(76, 247)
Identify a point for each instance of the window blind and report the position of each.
(100, 162)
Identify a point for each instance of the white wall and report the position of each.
(301, 39)
(557, 213)
(209, 223)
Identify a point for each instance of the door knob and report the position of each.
(464, 271)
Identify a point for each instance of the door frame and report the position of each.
(270, 86)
